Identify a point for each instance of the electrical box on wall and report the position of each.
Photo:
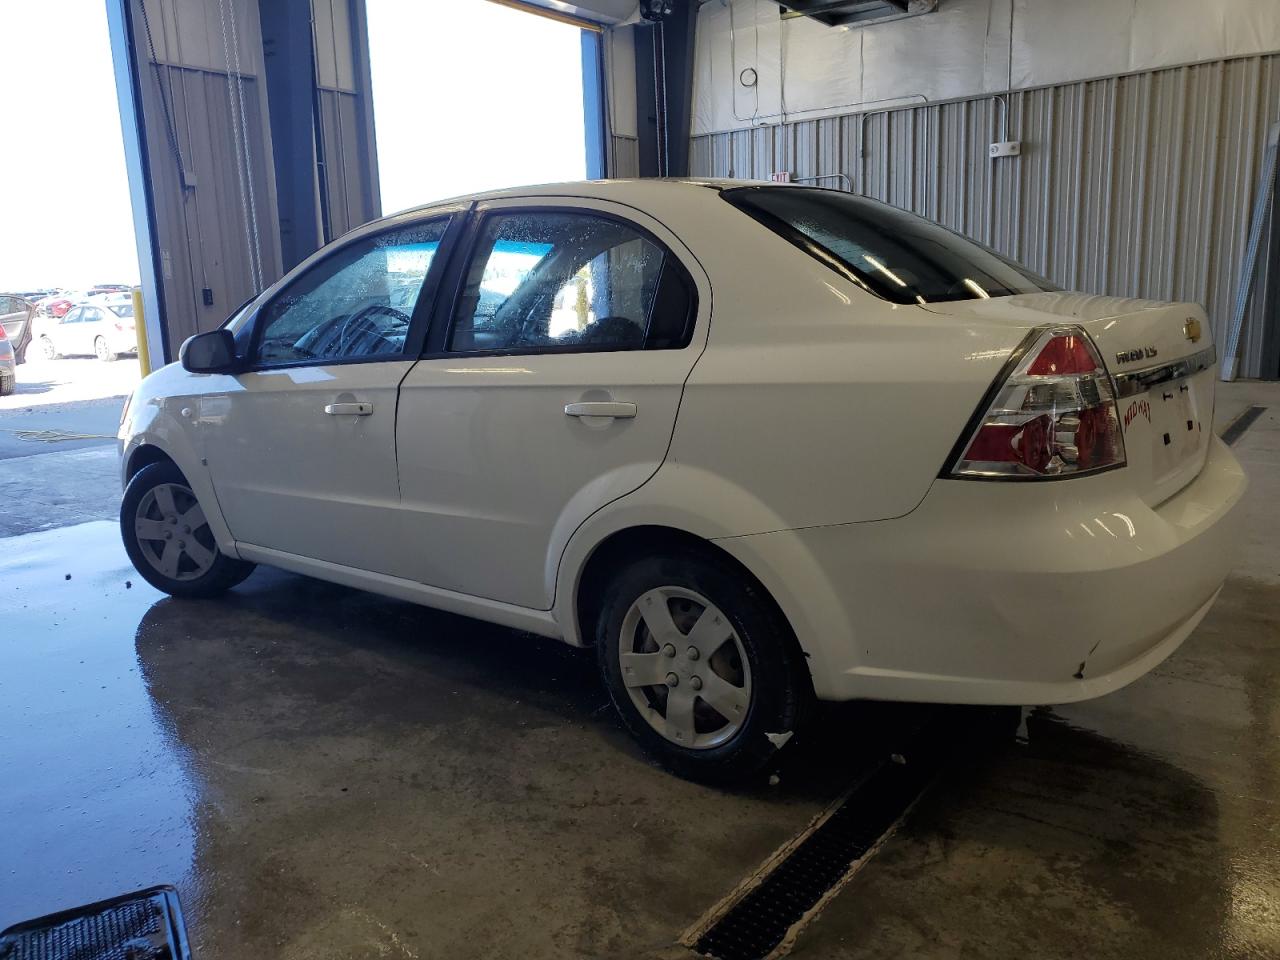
(1006, 148)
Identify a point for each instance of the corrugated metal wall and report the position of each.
(196, 109)
(624, 160)
(1139, 185)
(350, 173)
(210, 161)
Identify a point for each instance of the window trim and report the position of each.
(445, 316)
(423, 307)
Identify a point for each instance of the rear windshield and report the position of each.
(121, 309)
(895, 254)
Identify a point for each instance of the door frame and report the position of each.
(424, 306)
(453, 283)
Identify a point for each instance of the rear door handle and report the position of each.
(618, 409)
(348, 409)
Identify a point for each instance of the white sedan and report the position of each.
(102, 326)
(756, 443)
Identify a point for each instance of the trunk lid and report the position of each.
(1162, 358)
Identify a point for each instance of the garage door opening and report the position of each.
(474, 96)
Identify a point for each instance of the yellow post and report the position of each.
(140, 326)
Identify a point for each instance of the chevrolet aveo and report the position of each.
(756, 444)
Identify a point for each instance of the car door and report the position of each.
(301, 448)
(89, 327)
(15, 318)
(550, 388)
(62, 331)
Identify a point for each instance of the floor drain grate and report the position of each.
(1240, 424)
(757, 924)
(146, 925)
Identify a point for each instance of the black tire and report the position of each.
(8, 385)
(780, 689)
(48, 349)
(223, 573)
(103, 351)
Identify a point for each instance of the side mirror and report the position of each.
(212, 352)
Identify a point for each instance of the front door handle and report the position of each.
(618, 409)
(348, 409)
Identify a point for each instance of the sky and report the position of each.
(451, 117)
(65, 218)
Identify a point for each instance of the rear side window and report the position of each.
(895, 254)
(555, 280)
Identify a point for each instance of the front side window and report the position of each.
(901, 257)
(557, 280)
(353, 305)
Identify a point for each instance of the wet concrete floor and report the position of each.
(328, 774)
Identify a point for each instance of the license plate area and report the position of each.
(1177, 426)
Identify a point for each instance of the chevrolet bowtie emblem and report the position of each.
(1192, 329)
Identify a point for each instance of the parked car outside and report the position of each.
(55, 305)
(755, 443)
(8, 367)
(109, 288)
(16, 317)
(102, 326)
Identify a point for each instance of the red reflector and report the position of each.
(1026, 443)
(1065, 354)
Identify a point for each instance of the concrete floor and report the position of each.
(57, 442)
(328, 774)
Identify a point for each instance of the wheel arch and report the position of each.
(144, 456)
(628, 543)
(163, 439)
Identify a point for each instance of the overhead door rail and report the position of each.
(537, 11)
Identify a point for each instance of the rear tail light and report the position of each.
(1053, 415)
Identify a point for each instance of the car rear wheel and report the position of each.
(167, 536)
(47, 349)
(700, 667)
(7, 385)
(103, 350)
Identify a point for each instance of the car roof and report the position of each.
(673, 201)
(623, 190)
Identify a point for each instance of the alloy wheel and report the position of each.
(173, 534)
(685, 667)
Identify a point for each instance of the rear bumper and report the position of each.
(1005, 593)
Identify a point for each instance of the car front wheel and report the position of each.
(47, 349)
(700, 667)
(168, 538)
